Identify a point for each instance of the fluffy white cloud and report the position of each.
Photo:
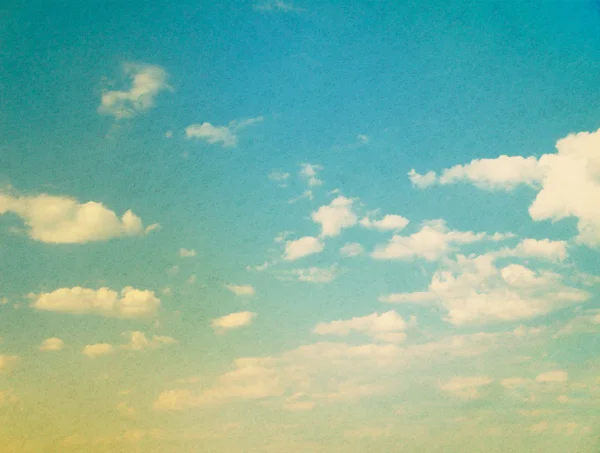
(225, 135)
(387, 327)
(422, 181)
(63, 220)
(241, 290)
(553, 376)
(504, 172)
(98, 349)
(130, 303)
(8, 362)
(52, 344)
(352, 249)
(139, 341)
(568, 181)
(544, 249)
(474, 290)
(309, 172)
(187, 253)
(389, 222)
(304, 246)
(146, 82)
(433, 241)
(233, 321)
(466, 386)
(336, 216)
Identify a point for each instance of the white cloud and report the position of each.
(131, 303)
(504, 172)
(139, 341)
(232, 321)
(309, 172)
(313, 274)
(388, 223)
(387, 327)
(336, 216)
(241, 290)
(187, 253)
(432, 242)
(97, 350)
(474, 290)
(544, 248)
(466, 386)
(352, 249)
(553, 376)
(63, 220)
(568, 181)
(422, 181)
(225, 135)
(8, 362)
(302, 247)
(146, 82)
(52, 344)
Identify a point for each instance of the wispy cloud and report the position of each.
(224, 135)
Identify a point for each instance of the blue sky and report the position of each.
(266, 226)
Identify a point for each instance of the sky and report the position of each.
(275, 225)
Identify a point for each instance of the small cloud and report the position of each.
(466, 386)
(241, 290)
(422, 181)
(52, 344)
(390, 222)
(335, 216)
(302, 247)
(232, 321)
(352, 249)
(146, 82)
(191, 280)
(139, 341)
(553, 376)
(309, 172)
(225, 135)
(3, 300)
(97, 350)
(187, 253)
(280, 177)
(312, 274)
(168, 134)
(307, 194)
(278, 5)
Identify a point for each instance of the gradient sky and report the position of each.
(305, 227)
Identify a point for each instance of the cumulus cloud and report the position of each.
(52, 344)
(241, 290)
(336, 216)
(389, 222)
(8, 362)
(187, 253)
(474, 290)
(567, 182)
(63, 220)
(130, 303)
(387, 327)
(98, 349)
(146, 82)
(466, 386)
(302, 247)
(225, 135)
(352, 249)
(533, 248)
(433, 241)
(232, 321)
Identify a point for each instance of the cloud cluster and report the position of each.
(475, 290)
(129, 303)
(567, 182)
(64, 220)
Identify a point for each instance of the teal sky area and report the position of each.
(264, 226)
